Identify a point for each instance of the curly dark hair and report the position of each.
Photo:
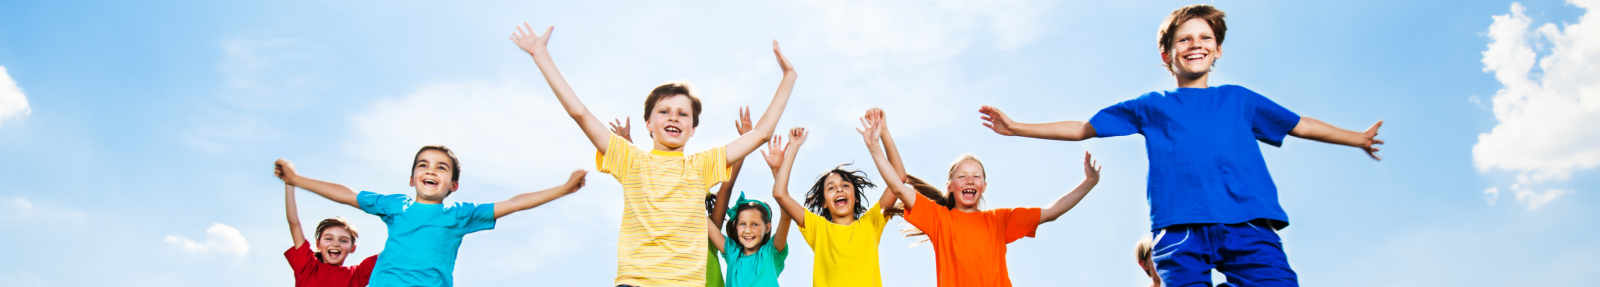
(819, 205)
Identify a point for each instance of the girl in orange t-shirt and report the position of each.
(969, 244)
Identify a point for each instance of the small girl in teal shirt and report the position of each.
(759, 255)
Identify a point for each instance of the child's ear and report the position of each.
(454, 186)
(411, 181)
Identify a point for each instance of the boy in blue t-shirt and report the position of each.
(424, 232)
(1212, 203)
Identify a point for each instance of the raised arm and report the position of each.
(715, 236)
(333, 191)
(534, 199)
(748, 143)
(1091, 176)
(1313, 129)
(536, 45)
(719, 210)
(871, 132)
(886, 201)
(996, 120)
(295, 232)
(780, 240)
(781, 160)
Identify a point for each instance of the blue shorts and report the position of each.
(1248, 254)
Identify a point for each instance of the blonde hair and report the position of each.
(938, 196)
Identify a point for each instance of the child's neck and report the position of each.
(665, 148)
(1195, 82)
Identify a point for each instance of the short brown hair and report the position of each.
(1210, 14)
(669, 89)
(455, 165)
(336, 222)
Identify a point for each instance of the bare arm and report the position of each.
(719, 211)
(871, 133)
(781, 160)
(1091, 172)
(886, 201)
(529, 200)
(1064, 130)
(1313, 129)
(715, 237)
(295, 232)
(780, 240)
(536, 45)
(333, 191)
(748, 143)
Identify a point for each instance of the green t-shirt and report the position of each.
(713, 268)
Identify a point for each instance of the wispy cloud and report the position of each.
(12, 101)
(1546, 114)
(219, 238)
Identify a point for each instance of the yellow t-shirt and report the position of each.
(663, 236)
(846, 255)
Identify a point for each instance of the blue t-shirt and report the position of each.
(1205, 165)
(759, 269)
(423, 238)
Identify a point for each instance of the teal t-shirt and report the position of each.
(755, 270)
(423, 238)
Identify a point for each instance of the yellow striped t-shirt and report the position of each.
(663, 236)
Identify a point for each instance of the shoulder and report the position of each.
(1236, 90)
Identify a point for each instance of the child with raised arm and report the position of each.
(424, 232)
(324, 267)
(755, 256)
(1207, 175)
(716, 204)
(662, 229)
(969, 244)
(844, 238)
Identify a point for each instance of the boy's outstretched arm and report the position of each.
(295, 232)
(719, 210)
(886, 201)
(536, 45)
(1313, 129)
(781, 160)
(333, 191)
(1091, 176)
(748, 143)
(996, 120)
(534, 199)
(871, 132)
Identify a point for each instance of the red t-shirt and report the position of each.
(310, 271)
(969, 249)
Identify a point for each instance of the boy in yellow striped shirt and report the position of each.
(663, 237)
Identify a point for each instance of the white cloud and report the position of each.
(1492, 195)
(12, 101)
(1537, 199)
(219, 238)
(1546, 117)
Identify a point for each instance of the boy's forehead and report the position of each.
(1194, 25)
(679, 101)
(433, 156)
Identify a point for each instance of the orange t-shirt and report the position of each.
(970, 248)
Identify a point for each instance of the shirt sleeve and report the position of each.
(474, 217)
(618, 159)
(363, 272)
(1269, 121)
(1117, 120)
(713, 166)
(1019, 222)
(810, 229)
(299, 256)
(874, 216)
(379, 204)
(778, 256)
(925, 215)
(730, 249)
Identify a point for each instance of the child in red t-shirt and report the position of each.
(324, 267)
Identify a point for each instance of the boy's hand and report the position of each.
(576, 181)
(871, 131)
(783, 62)
(743, 125)
(996, 120)
(1091, 168)
(622, 129)
(1370, 136)
(529, 41)
(283, 169)
(774, 153)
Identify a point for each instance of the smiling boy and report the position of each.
(662, 238)
(324, 267)
(424, 232)
(1212, 202)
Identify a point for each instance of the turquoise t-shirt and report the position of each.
(755, 270)
(423, 238)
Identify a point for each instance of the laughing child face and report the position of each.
(433, 174)
(751, 230)
(1195, 47)
(335, 244)
(967, 184)
(671, 122)
(840, 195)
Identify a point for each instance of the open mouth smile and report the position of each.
(672, 131)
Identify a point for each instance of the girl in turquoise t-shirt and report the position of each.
(754, 256)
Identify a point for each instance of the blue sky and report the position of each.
(136, 139)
